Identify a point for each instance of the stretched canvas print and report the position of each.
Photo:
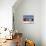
(28, 19)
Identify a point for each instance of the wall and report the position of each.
(43, 22)
(30, 31)
(6, 13)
